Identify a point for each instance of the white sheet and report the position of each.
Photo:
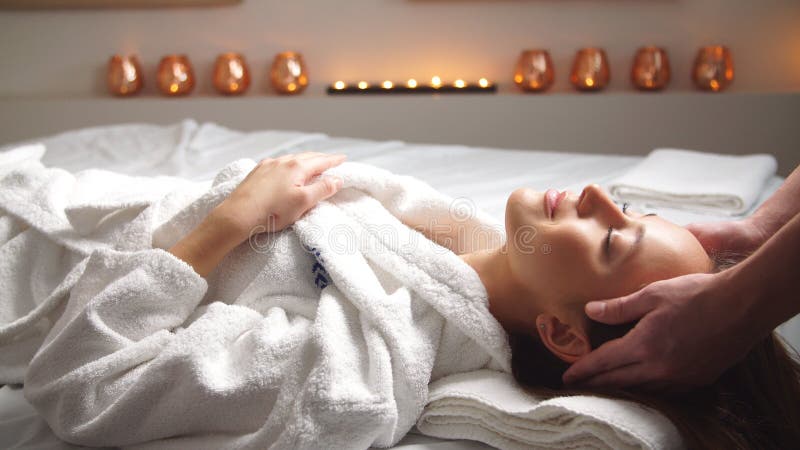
(482, 177)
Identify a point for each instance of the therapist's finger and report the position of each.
(609, 356)
(630, 376)
(623, 309)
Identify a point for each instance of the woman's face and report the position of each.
(570, 249)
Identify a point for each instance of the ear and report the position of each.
(567, 342)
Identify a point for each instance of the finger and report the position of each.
(323, 188)
(629, 376)
(609, 356)
(623, 309)
(318, 164)
(307, 155)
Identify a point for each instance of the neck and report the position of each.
(507, 301)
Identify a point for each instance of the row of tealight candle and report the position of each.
(412, 86)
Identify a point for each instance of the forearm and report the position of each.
(767, 280)
(205, 246)
(780, 207)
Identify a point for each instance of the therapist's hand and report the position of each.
(739, 237)
(690, 330)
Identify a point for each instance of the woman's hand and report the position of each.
(739, 238)
(272, 196)
(279, 191)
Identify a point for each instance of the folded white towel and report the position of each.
(696, 181)
(488, 406)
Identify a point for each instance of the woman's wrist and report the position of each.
(208, 243)
(224, 222)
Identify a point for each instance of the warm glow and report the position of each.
(387, 84)
(362, 84)
(412, 83)
(483, 82)
(459, 83)
(714, 85)
(339, 85)
(173, 87)
(291, 87)
(436, 81)
(518, 78)
(234, 86)
(589, 82)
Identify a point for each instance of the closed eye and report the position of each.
(610, 232)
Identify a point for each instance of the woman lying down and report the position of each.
(277, 308)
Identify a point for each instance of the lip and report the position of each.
(551, 200)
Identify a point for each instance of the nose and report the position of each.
(595, 202)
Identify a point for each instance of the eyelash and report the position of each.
(611, 229)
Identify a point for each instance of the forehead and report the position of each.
(666, 251)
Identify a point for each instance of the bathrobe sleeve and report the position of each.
(118, 369)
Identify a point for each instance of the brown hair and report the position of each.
(754, 404)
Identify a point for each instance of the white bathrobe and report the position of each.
(324, 335)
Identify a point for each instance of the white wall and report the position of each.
(63, 52)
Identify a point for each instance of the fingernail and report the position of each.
(595, 308)
(337, 182)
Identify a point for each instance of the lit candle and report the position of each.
(362, 85)
(412, 83)
(387, 84)
(339, 85)
(436, 81)
(483, 82)
(459, 83)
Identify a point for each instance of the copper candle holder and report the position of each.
(534, 70)
(124, 75)
(288, 74)
(650, 70)
(713, 68)
(231, 74)
(590, 70)
(175, 75)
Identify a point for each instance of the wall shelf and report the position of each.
(620, 122)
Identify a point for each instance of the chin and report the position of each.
(525, 198)
(524, 207)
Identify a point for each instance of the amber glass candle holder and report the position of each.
(175, 75)
(713, 68)
(534, 71)
(288, 74)
(590, 70)
(124, 75)
(231, 74)
(650, 70)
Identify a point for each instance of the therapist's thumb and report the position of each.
(619, 310)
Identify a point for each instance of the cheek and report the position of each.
(558, 261)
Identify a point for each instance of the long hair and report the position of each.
(753, 405)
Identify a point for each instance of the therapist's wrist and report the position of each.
(749, 300)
